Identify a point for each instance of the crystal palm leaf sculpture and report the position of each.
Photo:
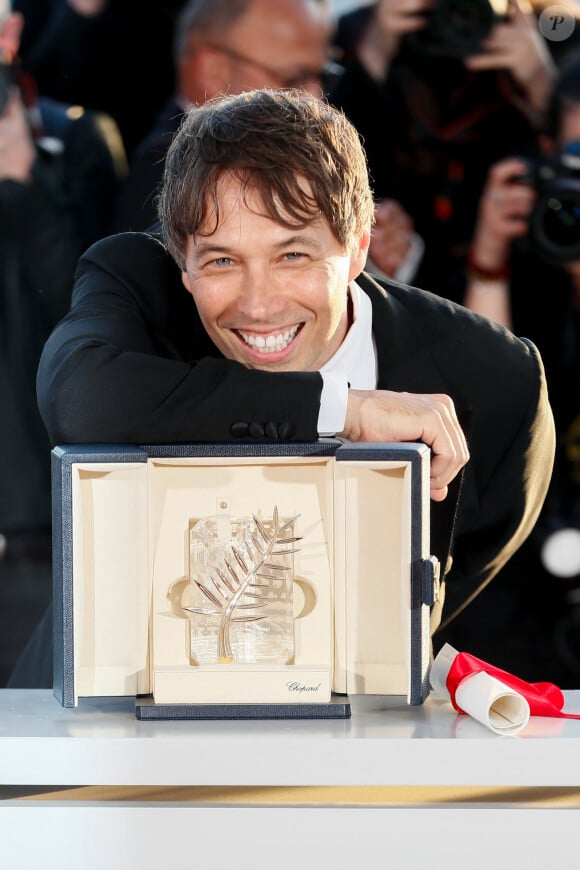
(244, 580)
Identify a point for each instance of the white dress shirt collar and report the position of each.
(356, 357)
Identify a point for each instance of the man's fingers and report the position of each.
(383, 415)
(446, 439)
(403, 16)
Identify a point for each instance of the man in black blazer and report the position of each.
(248, 317)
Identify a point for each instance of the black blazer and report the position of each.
(131, 362)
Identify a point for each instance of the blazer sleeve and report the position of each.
(499, 509)
(131, 363)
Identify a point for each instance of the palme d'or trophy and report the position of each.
(241, 577)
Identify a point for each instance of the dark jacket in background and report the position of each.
(119, 62)
(44, 228)
(45, 225)
(136, 208)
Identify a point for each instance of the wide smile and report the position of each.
(269, 343)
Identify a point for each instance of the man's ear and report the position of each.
(10, 32)
(185, 281)
(203, 73)
(358, 256)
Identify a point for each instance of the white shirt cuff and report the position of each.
(333, 402)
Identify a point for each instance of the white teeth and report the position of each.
(270, 342)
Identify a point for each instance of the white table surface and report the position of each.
(102, 743)
(101, 747)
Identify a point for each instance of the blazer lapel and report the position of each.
(406, 363)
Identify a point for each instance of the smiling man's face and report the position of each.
(268, 296)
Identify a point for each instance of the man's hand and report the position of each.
(88, 8)
(17, 151)
(389, 22)
(391, 236)
(383, 415)
(518, 46)
(397, 17)
(504, 210)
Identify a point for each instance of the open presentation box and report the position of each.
(361, 579)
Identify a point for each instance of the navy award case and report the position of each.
(362, 584)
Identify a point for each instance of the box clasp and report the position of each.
(430, 571)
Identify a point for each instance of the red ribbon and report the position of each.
(545, 699)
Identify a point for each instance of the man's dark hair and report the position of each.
(303, 157)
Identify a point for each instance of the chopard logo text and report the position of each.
(300, 687)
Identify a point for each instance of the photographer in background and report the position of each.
(524, 261)
(524, 272)
(440, 90)
(59, 170)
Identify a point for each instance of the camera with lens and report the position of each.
(456, 28)
(554, 224)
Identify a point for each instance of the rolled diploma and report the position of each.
(481, 696)
(492, 703)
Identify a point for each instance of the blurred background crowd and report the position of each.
(470, 115)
